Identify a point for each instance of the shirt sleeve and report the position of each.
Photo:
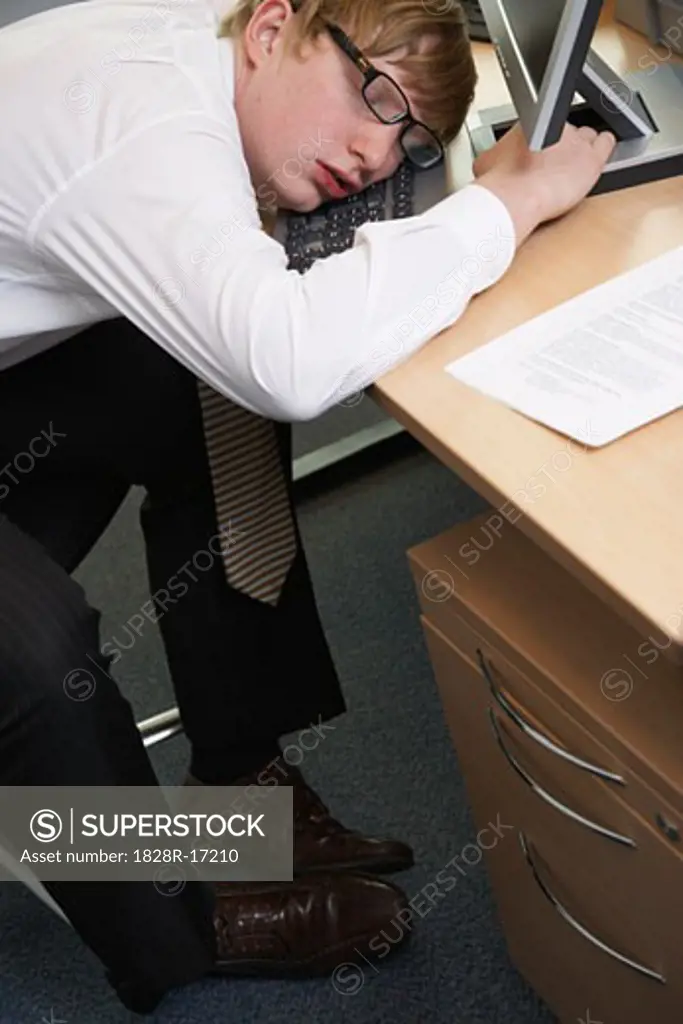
(166, 229)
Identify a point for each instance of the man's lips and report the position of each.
(331, 180)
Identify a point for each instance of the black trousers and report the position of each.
(80, 424)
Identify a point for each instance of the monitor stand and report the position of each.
(643, 109)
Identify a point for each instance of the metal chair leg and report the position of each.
(160, 727)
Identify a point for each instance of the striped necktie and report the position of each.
(255, 516)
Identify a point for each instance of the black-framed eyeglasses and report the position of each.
(388, 102)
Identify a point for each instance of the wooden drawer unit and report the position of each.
(564, 651)
(591, 922)
(594, 784)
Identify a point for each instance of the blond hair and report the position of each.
(441, 79)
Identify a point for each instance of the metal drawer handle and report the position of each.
(553, 801)
(563, 912)
(529, 730)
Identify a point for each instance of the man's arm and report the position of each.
(166, 228)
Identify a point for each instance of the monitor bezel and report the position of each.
(543, 115)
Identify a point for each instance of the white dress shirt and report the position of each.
(124, 192)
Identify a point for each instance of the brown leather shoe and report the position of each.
(308, 927)
(323, 844)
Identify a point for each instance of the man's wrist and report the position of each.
(519, 197)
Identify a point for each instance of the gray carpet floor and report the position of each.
(387, 767)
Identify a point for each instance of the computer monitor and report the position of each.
(543, 49)
(554, 76)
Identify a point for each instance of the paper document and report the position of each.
(611, 357)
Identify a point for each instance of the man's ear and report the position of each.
(266, 29)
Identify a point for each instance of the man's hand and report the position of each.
(503, 153)
(537, 187)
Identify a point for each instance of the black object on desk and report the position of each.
(331, 227)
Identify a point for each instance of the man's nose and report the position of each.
(378, 148)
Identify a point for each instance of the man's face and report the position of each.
(300, 120)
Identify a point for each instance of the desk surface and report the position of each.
(612, 516)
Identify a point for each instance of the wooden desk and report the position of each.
(554, 626)
(614, 520)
